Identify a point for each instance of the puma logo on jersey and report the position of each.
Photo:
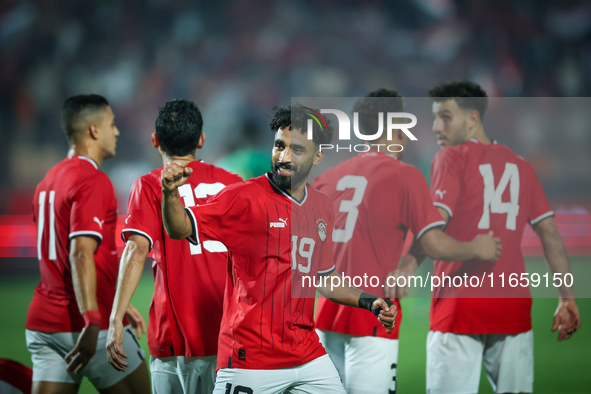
(440, 193)
(100, 222)
(126, 219)
(281, 224)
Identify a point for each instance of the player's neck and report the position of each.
(89, 151)
(382, 144)
(187, 158)
(298, 192)
(480, 136)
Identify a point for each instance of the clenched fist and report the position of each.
(174, 174)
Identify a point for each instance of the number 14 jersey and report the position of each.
(483, 188)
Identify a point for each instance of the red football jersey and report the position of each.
(483, 188)
(74, 199)
(189, 280)
(377, 199)
(273, 241)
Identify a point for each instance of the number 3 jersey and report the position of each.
(74, 199)
(186, 307)
(273, 242)
(483, 188)
(377, 199)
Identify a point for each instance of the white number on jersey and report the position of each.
(493, 198)
(201, 191)
(51, 250)
(306, 250)
(359, 183)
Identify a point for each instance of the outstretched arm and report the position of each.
(345, 294)
(130, 271)
(176, 221)
(566, 318)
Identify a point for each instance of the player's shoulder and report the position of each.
(319, 198)
(210, 173)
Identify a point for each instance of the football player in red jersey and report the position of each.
(385, 197)
(76, 212)
(189, 280)
(480, 185)
(267, 340)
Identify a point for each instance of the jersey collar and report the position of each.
(475, 140)
(300, 203)
(88, 159)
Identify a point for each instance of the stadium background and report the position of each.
(236, 60)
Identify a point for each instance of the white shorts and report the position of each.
(48, 350)
(454, 362)
(355, 356)
(171, 375)
(319, 376)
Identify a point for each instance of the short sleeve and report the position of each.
(327, 265)
(143, 213)
(90, 200)
(419, 212)
(538, 208)
(446, 179)
(220, 218)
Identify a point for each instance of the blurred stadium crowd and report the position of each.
(237, 59)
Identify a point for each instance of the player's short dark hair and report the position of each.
(75, 106)
(178, 127)
(369, 107)
(296, 116)
(468, 95)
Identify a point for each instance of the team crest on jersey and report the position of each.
(322, 230)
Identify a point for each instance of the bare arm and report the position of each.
(84, 272)
(84, 282)
(176, 221)
(345, 294)
(567, 318)
(130, 271)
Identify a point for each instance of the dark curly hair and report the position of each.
(369, 106)
(469, 95)
(79, 106)
(296, 117)
(178, 127)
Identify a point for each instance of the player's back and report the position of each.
(189, 279)
(74, 199)
(377, 199)
(483, 188)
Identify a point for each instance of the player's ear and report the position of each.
(318, 156)
(201, 141)
(473, 119)
(93, 131)
(155, 141)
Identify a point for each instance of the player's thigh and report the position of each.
(253, 381)
(103, 376)
(47, 354)
(509, 362)
(454, 362)
(334, 344)
(137, 382)
(318, 376)
(197, 373)
(165, 377)
(370, 365)
(53, 388)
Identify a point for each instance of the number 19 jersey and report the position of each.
(274, 242)
(483, 188)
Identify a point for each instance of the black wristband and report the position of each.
(366, 302)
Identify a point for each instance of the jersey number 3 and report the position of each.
(493, 198)
(202, 191)
(359, 183)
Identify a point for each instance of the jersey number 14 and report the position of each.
(493, 198)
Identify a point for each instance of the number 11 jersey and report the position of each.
(483, 188)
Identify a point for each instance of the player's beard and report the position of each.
(285, 183)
